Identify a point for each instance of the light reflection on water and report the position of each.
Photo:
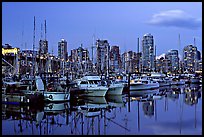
(175, 110)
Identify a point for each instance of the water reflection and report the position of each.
(171, 107)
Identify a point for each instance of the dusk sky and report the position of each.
(121, 23)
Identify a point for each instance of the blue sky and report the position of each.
(120, 23)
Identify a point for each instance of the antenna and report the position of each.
(179, 43)
(41, 34)
(22, 35)
(194, 42)
(138, 44)
(52, 50)
(45, 30)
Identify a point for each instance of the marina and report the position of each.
(169, 110)
(95, 73)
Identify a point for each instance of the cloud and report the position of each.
(175, 18)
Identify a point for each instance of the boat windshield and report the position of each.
(93, 81)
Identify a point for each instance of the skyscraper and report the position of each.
(102, 56)
(115, 59)
(62, 53)
(62, 49)
(148, 53)
(190, 58)
(129, 60)
(172, 55)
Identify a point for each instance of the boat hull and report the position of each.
(115, 90)
(56, 96)
(95, 91)
(140, 86)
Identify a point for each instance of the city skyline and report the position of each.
(120, 23)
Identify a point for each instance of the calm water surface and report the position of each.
(178, 110)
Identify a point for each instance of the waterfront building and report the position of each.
(62, 54)
(43, 47)
(80, 60)
(102, 61)
(11, 59)
(43, 55)
(148, 57)
(199, 65)
(163, 65)
(26, 60)
(115, 59)
(172, 55)
(190, 58)
(129, 63)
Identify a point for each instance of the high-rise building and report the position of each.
(189, 58)
(115, 59)
(80, 59)
(43, 53)
(148, 56)
(129, 61)
(43, 47)
(62, 49)
(62, 54)
(172, 55)
(103, 49)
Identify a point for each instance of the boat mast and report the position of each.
(155, 60)
(179, 53)
(138, 44)
(194, 41)
(33, 61)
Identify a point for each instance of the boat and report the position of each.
(56, 107)
(161, 79)
(92, 86)
(143, 83)
(55, 93)
(14, 95)
(143, 93)
(115, 101)
(177, 81)
(93, 106)
(194, 80)
(114, 88)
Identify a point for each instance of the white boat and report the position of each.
(161, 79)
(115, 88)
(143, 93)
(93, 106)
(91, 86)
(55, 93)
(194, 80)
(143, 83)
(56, 107)
(177, 81)
(115, 101)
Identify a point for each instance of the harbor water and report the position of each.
(169, 110)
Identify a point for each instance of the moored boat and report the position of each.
(91, 86)
(143, 83)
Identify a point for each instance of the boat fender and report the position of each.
(66, 97)
(50, 106)
(50, 96)
(66, 106)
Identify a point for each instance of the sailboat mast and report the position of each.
(179, 53)
(155, 61)
(138, 44)
(33, 49)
